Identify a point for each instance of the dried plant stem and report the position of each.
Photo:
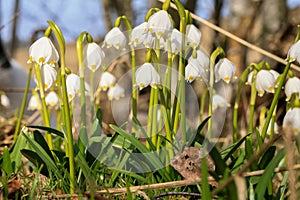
(290, 160)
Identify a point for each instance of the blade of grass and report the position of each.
(267, 175)
(49, 129)
(43, 155)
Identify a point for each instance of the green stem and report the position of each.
(202, 105)
(273, 123)
(275, 100)
(181, 77)
(83, 132)
(45, 113)
(150, 113)
(134, 88)
(252, 105)
(23, 105)
(167, 87)
(66, 108)
(218, 52)
(92, 95)
(242, 81)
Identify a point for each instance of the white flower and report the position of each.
(292, 118)
(43, 51)
(276, 128)
(149, 41)
(194, 70)
(249, 79)
(224, 70)
(73, 86)
(34, 103)
(160, 24)
(147, 75)
(219, 102)
(265, 82)
(5, 101)
(48, 74)
(193, 36)
(115, 92)
(116, 38)
(292, 86)
(107, 80)
(139, 34)
(203, 59)
(51, 99)
(176, 39)
(294, 52)
(276, 75)
(93, 56)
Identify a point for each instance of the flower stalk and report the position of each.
(23, 105)
(65, 104)
(275, 100)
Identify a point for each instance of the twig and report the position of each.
(177, 193)
(156, 186)
(238, 39)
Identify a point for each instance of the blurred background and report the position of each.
(265, 23)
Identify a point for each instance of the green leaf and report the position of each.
(214, 153)
(15, 155)
(38, 137)
(150, 157)
(283, 187)
(235, 147)
(267, 157)
(43, 155)
(7, 164)
(267, 175)
(49, 129)
(36, 160)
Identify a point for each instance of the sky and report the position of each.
(72, 16)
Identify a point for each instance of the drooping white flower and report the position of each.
(43, 51)
(193, 36)
(292, 86)
(194, 70)
(149, 41)
(107, 80)
(34, 103)
(176, 40)
(160, 24)
(147, 75)
(224, 70)
(203, 59)
(292, 119)
(93, 56)
(115, 92)
(5, 101)
(48, 74)
(139, 34)
(265, 82)
(73, 86)
(276, 128)
(51, 99)
(294, 52)
(249, 79)
(219, 102)
(115, 38)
